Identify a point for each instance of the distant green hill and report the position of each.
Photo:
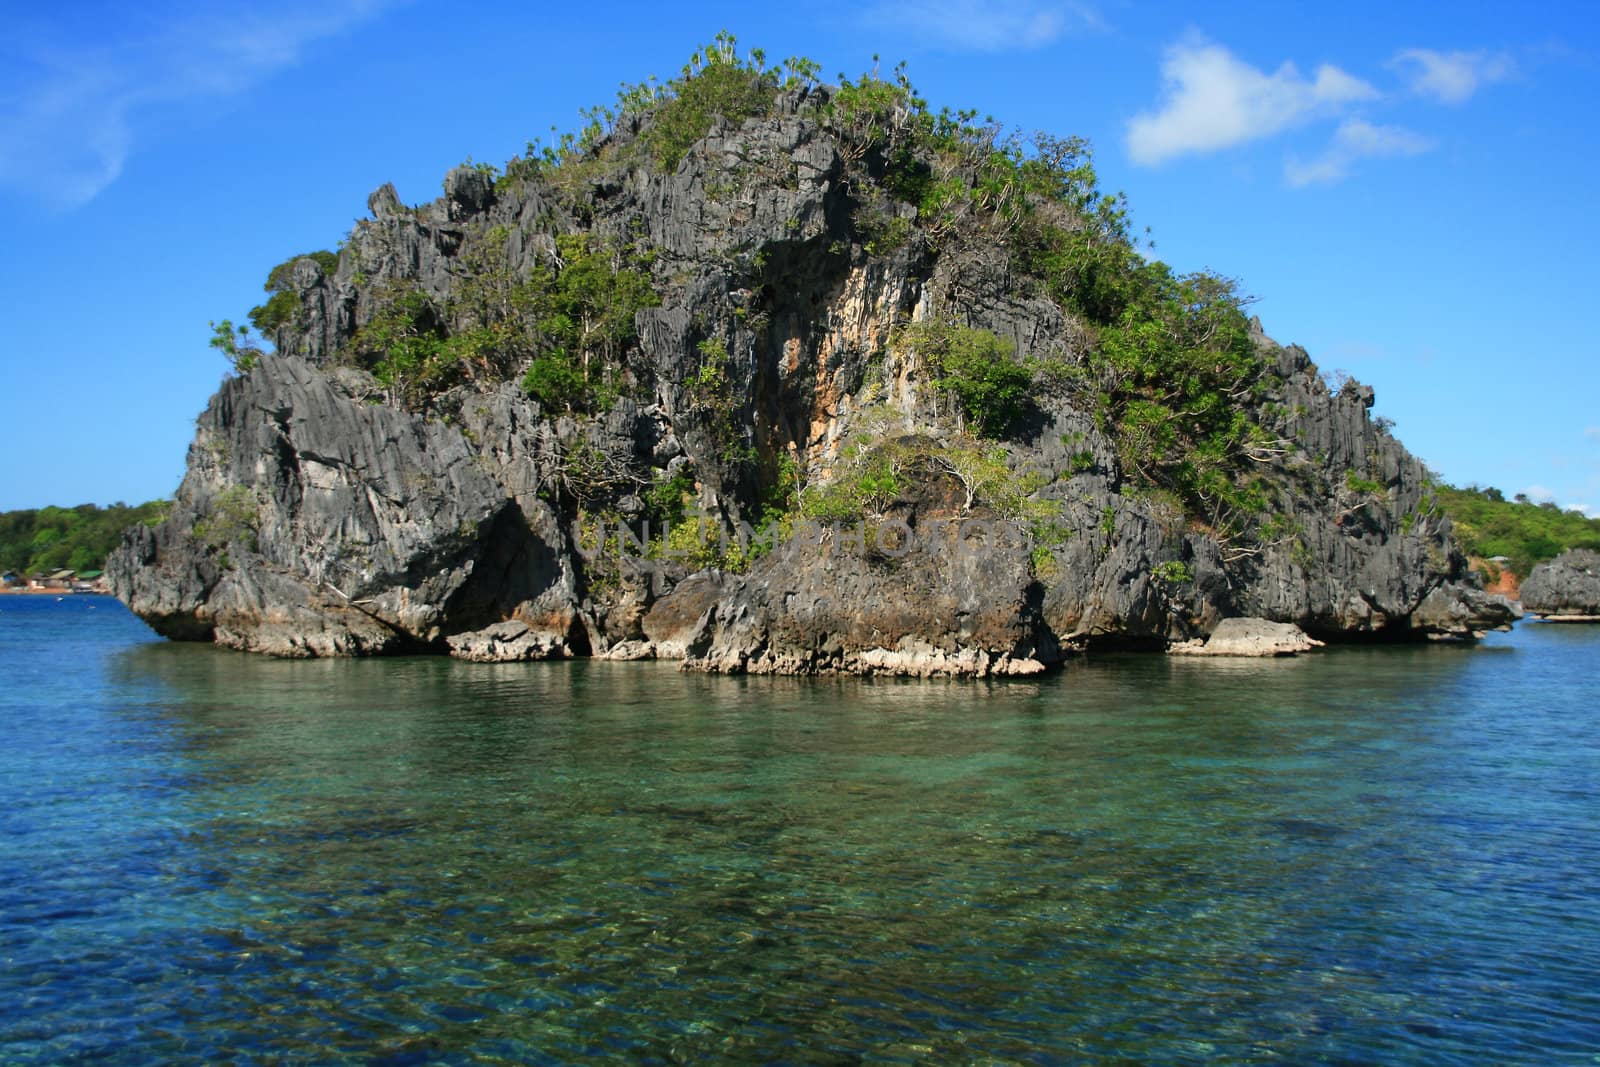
(1487, 524)
(51, 539)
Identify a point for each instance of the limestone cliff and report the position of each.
(463, 416)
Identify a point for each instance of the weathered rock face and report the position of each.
(311, 523)
(322, 516)
(1568, 585)
(900, 599)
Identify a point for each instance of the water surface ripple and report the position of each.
(1367, 855)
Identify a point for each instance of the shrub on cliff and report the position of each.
(582, 319)
(282, 301)
(716, 82)
(236, 345)
(980, 372)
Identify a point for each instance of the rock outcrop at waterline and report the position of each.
(1567, 587)
(313, 523)
(343, 500)
(1249, 638)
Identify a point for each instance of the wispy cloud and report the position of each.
(979, 26)
(74, 113)
(1214, 100)
(1451, 77)
(1592, 433)
(1355, 140)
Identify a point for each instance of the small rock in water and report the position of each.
(1250, 637)
(509, 641)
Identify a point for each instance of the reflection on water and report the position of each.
(1361, 856)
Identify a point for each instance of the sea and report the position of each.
(1366, 855)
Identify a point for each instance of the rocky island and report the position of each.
(771, 375)
(1565, 589)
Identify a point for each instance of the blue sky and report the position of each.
(1409, 195)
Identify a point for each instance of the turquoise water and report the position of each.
(1368, 855)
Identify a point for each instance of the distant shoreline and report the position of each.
(55, 592)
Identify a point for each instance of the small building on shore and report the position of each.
(58, 580)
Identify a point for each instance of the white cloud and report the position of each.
(1214, 100)
(75, 114)
(1355, 140)
(1584, 509)
(1451, 77)
(1539, 494)
(979, 26)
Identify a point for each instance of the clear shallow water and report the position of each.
(1369, 855)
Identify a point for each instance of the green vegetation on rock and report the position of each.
(403, 344)
(1168, 367)
(1166, 363)
(233, 519)
(582, 319)
(282, 301)
(716, 82)
(873, 473)
(571, 322)
(981, 372)
(241, 350)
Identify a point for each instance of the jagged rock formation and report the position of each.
(413, 470)
(1565, 587)
(312, 523)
